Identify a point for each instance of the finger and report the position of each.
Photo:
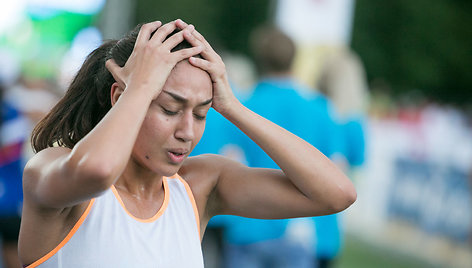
(188, 35)
(200, 63)
(208, 52)
(202, 39)
(112, 67)
(177, 38)
(187, 53)
(115, 69)
(196, 39)
(146, 31)
(181, 24)
(161, 33)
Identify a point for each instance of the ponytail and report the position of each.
(85, 103)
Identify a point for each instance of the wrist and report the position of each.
(233, 107)
(139, 96)
(142, 90)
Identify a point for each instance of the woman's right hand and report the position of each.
(152, 61)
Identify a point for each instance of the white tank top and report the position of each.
(107, 235)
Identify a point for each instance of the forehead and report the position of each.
(189, 82)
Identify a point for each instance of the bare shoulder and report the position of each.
(202, 174)
(39, 164)
(198, 169)
(46, 156)
(205, 167)
(208, 161)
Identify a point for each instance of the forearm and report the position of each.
(308, 169)
(107, 148)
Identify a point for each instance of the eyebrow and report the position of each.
(185, 101)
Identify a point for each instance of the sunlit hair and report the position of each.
(87, 99)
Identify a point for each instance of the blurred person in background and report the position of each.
(114, 151)
(279, 98)
(343, 81)
(13, 133)
(33, 96)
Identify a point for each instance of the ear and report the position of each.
(115, 93)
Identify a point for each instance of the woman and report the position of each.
(120, 190)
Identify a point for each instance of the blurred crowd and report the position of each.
(417, 185)
(25, 98)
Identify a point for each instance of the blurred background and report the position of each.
(400, 66)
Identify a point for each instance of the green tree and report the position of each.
(226, 24)
(423, 45)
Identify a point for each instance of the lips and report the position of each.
(177, 155)
(178, 151)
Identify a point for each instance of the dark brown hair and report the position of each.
(87, 99)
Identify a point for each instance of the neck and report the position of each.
(140, 182)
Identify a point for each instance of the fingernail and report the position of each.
(191, 27)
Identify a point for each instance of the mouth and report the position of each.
(177, 156)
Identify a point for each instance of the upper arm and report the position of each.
(254, 192)
(52, 180)
(261, 193)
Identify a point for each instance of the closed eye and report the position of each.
(199, 117)
(168, 112)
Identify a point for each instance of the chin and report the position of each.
(170, 174)
(167, 170)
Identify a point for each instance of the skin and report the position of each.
(158, 106)
(10, 255)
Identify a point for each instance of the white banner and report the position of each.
(324, 22)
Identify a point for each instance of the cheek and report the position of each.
(151, 138)
(199, 129)
(153, 128)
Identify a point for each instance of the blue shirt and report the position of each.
(308, 116)
(350, 144)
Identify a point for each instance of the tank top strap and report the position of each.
(176, 179)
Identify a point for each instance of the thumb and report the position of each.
(115, 71)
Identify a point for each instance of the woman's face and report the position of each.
(175, 120)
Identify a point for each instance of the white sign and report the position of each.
(316, 21)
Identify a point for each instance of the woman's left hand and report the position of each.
(223, 97)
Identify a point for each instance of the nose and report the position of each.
(185, 128)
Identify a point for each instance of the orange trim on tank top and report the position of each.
(66, 239)
(159, 212)
(192, 199)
